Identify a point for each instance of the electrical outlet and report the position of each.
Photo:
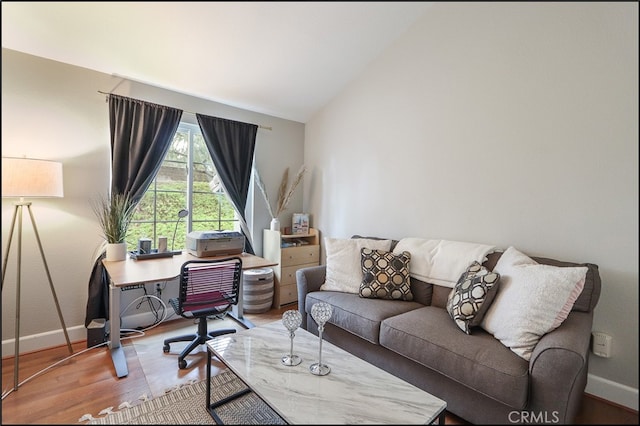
(601, 344)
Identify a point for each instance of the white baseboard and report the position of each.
(612, 391)
(51, 339)
(40, 341)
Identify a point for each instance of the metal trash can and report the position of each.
(257, 290)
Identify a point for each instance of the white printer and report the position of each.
(214, 243)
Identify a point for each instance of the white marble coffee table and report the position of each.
(354, 392)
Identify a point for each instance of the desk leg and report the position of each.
(117, 353)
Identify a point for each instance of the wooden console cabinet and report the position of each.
(289, 260)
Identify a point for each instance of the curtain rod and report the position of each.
(189, 112)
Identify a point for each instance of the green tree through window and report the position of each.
(187, 179)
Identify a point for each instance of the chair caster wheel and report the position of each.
(165, 348)
(182, 364)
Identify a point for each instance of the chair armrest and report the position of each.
(558, 369)
(308, 280)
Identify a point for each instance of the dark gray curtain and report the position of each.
(141, 133)
(231, 145)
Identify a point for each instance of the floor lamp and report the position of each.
(29, 178)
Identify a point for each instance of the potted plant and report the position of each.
(114, 216)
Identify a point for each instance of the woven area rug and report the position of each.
(187, 406)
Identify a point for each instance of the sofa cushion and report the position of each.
(477, 361)
(422, 291)
(439, 296)
(356, 315)
(532, 300)
(344, 272)
(472, 295)
(385, 275)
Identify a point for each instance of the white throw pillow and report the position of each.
(344, 271)
(532, 300)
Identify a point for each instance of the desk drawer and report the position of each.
(300, 255)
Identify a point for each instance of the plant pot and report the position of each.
(116, 252)
(275, 224)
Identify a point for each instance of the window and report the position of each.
(187, 179)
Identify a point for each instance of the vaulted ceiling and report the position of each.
(285, 59)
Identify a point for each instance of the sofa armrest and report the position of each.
(558, 369)
(308, 280)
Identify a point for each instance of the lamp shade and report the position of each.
(28, 177)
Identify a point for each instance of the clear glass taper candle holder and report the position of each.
(321, 313)
(291, 321)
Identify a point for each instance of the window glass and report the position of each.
(187, 180)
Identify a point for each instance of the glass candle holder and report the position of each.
(291, 321)
(320, 312)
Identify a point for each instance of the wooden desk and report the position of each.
(133, 272)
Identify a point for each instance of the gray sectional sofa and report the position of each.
(481, 380)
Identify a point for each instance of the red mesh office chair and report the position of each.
(207, 287)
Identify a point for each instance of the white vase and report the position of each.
(116, 252)
(275, 224)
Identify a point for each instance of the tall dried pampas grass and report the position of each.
(284, 194)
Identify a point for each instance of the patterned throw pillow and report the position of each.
(472, 295)
(385, 275)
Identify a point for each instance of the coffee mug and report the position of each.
(144, 246)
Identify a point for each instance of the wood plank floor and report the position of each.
(86, 383)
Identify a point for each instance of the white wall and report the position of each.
(499, 123)
(53, 111)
